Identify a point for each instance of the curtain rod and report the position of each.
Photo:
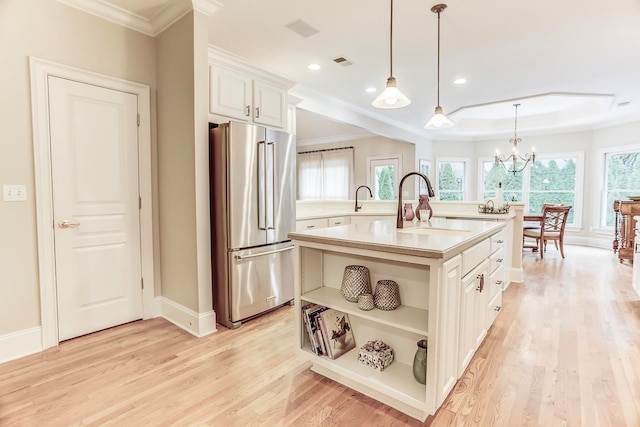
(326, 149)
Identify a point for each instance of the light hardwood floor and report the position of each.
(564, 351)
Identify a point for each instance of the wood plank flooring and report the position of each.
(564, 351)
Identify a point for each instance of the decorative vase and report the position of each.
(420, 362)
(365, 302)
(408, 212)
(387, 295)
(423, 204)
(355, 282)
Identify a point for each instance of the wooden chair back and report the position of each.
(554, 220)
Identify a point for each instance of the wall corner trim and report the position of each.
(197, 324)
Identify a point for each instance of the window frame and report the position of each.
(466, 182)
(394, 160)
(601, 176)
(578, 207)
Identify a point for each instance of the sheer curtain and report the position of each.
(325, 174)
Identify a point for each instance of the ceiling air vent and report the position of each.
(342, 61)
(301, 28)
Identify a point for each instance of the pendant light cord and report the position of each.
(438, 58)
(391, 42)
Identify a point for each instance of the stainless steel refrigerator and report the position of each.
(252, 211)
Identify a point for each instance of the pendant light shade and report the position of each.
(439, 120)
(391, 97)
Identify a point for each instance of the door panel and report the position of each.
(94, 156)
(243, 186)
(284, 185)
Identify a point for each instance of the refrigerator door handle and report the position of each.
(264, 253)
(270, 184)
(262, 184)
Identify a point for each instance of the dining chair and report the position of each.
(535, 225)
(554, 221)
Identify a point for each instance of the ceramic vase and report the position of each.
(408, 212)
(420, 362)
(423, 204)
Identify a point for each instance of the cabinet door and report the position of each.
(269, 103)
(473, 303)
(229, 93)
(449, 328)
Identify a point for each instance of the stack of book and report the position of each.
(329, 330)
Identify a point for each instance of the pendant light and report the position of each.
(391, 97)
(439, 120)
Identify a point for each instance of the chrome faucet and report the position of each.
(429, 187)
(370, 193)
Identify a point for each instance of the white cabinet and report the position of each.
(310, 224)
(448, 342)
(242, 97)
(320, 268)
(335, 221)
(473, 304)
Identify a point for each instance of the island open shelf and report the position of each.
(408, 318)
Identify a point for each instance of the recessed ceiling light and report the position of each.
(370, 89)
(460, 81)
(313, 67)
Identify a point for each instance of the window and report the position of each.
(325, 174)
(451, 179)
(553, 178)
(383, 177)
(621, 180)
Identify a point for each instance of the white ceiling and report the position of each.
(571, 64)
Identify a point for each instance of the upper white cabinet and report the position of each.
(242, 92)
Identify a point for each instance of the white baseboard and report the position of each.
(19, 344)
(590, 241)
(197, 324)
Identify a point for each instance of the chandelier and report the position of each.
(514, 158)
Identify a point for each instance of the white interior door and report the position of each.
(94, 168)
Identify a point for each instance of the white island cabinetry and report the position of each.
(428, 270)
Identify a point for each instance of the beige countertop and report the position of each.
(442, 237)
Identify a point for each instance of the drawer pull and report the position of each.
(497, 308)
(499, 260)
(337, 223)
(498, 282)
(480, 287)
(500, 241)
(311, 226)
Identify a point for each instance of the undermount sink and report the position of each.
(431, 231)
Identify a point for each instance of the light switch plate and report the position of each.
(14, 193)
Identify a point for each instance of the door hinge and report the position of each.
(138, 118)
(141, 283)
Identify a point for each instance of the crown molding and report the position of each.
(153, 26)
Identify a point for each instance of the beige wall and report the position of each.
(374, 146)
(53, 31)
(183, 163)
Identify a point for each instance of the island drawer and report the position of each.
(310, 224)
(475, 255)
(496, 259)
(498, 240)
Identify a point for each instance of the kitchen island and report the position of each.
(450, 277)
